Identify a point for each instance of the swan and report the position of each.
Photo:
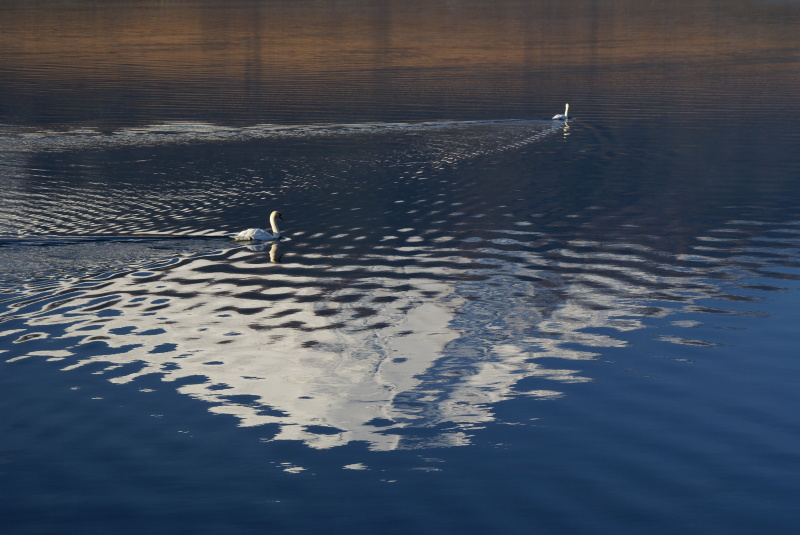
(559, 117)
(259, 233)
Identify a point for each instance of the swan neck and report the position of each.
(273, 221)
(566, 111)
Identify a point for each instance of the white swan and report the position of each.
(259, 233)
(559, 117)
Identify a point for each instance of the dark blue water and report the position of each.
(481, 320)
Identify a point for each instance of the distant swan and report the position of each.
(559, 117)
(259, 233)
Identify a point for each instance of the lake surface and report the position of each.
(480, 320)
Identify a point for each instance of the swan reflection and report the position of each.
(275, 253)
(275, 249)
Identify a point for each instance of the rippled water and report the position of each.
(480, 320)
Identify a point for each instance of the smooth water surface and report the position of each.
(481, 320)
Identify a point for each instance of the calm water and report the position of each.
(481, 320)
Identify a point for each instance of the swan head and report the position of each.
(276, 215)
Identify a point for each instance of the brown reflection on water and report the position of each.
(326, 49)
(225, 36)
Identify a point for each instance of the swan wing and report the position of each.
(253, 234)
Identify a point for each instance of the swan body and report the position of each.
(564, 117)
(260, 234)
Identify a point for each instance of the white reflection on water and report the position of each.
(372, 358)
(283, 348)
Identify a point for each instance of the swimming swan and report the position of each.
(259, 233)
(559, 117)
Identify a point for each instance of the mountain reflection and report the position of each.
(328, 349)
(329, 363)
(396, 357)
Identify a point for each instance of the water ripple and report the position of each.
(420, 287)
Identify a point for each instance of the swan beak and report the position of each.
(280, 216)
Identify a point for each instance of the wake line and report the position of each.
(31, 140)
(57, 239)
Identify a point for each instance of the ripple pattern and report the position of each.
(419, 287)
(166, 181)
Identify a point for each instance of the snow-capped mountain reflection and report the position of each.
(329, 360)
